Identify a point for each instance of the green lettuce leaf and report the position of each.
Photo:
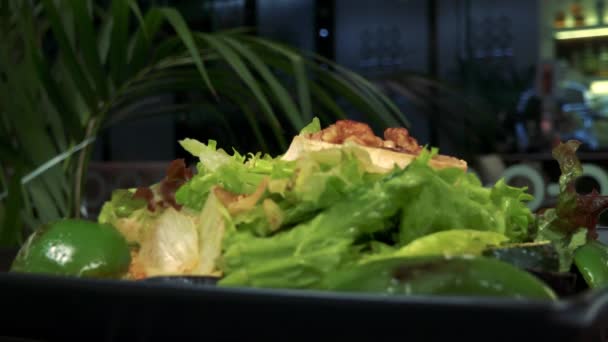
(237, 173)
(322, 178)
(302, 256)
(339, 231)
(313, 127)
(129, 215)
(453, 242)
(574, 219)
(122, 204)
(453, 199)
(565, 243)
(447, 243)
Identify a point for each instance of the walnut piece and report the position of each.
(348, 130)
(342, 131)
(401, 137)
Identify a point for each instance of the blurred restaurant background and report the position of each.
(495, 82)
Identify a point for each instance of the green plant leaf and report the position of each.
(137, 11)
(355, 92)
(119, 40)
(326, 101)
(52, 89)
(181, 28)
(69, 55)
(184, 79)
(57, 130)
(11, 225)
(381, 105)
(165, 52)
(13, 156)
(299, 73)
(140, 43)
(88, 45)
(32, 139)
(281, 94)
(353, 95)
(104, 39)
(41, 70)
(238, 97)
(46, 211)
(243, 72)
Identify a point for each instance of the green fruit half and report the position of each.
(75, 247)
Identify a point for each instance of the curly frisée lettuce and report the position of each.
(322, 178)
(237, 173)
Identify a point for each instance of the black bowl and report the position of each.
(183, 280)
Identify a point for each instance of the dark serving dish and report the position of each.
(48, 308)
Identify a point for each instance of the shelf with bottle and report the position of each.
(581, 32)
(587, 56)
(580, 21)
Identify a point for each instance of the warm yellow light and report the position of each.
(599, 87)
(582, 33)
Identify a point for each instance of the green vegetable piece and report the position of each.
(301, 256)
(457, 242)
(74, 247)
(575, 217)
(121, 205)
(592, 261)
(235, 173)
(452, 242)
(460, 276)
(565, 243)
(313, 127)
(439, 200)
(322, 179)
(540, 256)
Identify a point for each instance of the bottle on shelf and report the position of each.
(603, 61)
(577, 60)
(577, 12)
(560, 19)
(599, 8)
(589, 60)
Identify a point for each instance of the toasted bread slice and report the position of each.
(381, 157)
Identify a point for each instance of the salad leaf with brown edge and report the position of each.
(574, 219)
(163, 193)
(132, 211)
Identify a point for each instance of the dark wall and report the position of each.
(377, 38)
(289, 21)
(500, 39)
(381, 36)
(496, 27)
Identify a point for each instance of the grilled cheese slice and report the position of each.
(383, 153)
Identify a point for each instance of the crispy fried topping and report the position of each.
(237, 203)
(147, 195)
(402, 139)
(342, 131)
(348, 130)
(164, 195)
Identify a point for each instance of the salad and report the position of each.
(341, 210)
